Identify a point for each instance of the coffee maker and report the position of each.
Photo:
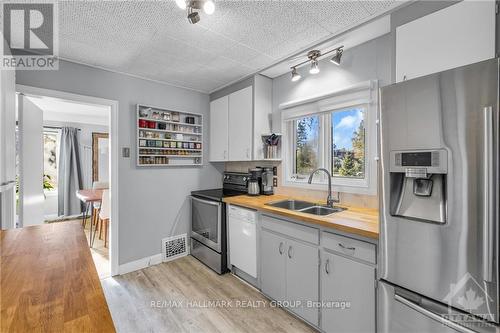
(267, 181)
(255, 181)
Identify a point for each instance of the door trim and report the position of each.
(114, 249)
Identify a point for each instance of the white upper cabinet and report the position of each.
(240, 125)
(455, 36)
(219, 110)
(238, 120)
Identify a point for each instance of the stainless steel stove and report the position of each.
(208, 221)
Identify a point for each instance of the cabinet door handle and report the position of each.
(225, 154)
(280, 248)
(347, 247)
(248, 153)
(327, 266)
(290, 252)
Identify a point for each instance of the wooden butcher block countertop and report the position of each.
(354, 220)
(49, 282)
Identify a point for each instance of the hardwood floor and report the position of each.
(174, 296)
(100, 254)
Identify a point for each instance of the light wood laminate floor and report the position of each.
(173, 297)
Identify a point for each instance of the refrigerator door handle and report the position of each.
(488, 195)
(432, 315)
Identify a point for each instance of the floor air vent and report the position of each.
(174, 247)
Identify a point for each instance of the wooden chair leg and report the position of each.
(106, 228)
(101, 226)
(95, 215)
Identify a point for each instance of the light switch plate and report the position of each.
(126, 152)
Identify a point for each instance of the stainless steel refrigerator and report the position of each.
(440, 202)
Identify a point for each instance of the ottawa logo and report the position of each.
(470, 295)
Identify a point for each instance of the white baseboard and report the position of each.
(140, 264)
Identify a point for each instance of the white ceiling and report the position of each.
(59, 110)
(152, 39)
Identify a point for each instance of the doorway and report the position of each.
(75, 137)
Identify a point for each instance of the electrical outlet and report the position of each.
(126, 152)
(275, 171)
(275, 182)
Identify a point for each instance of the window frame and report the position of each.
(366, 185)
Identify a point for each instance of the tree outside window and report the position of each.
(49, 160)
(306, 145)
(348, 143)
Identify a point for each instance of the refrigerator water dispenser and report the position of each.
(418, 185)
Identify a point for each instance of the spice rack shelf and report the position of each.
(168, 138)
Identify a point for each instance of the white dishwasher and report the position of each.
(243, 239)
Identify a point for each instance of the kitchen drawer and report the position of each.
(349, 246)
(294, 230)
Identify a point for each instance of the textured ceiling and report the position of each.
(153, 39)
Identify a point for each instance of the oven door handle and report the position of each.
(208, 202)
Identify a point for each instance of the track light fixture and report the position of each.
(312, 58)
(336, 58)
(193, 17)
(295, 75)
(314, 67)
(193, 7)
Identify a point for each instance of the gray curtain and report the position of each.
(69, 173)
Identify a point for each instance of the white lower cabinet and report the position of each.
(272, 248)
(347, 295)
(289, 273)
(343, 284)
(302, 280)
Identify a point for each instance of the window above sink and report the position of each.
(337, 132)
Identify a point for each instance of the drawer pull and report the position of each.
(347, 247)
(280, 248)
(327, 266)
(290, 252)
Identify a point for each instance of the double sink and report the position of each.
(305, 207)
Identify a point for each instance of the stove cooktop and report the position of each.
(216, 194)
(234, 183)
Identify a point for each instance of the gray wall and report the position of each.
(368, 61)
(152, 201)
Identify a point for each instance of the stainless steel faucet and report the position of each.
(329, 200)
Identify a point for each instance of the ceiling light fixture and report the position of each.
(314, 67)
(313, 57)
(209, 7)
(193, 7)
(181, 4)
(193, 17)
(336, 58)
(295, 75)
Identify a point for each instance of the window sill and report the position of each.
(360, 188)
